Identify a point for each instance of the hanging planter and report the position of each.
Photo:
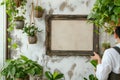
(18, 2)
(19, 22)
(32, 39)
(39, 11)
(31, 31)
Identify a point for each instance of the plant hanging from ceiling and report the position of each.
(105, 14)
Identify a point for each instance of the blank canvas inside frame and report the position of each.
(71, 35)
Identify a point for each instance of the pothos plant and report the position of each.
(21, 68)
(12, 11)
(105, 14)
(91, 76)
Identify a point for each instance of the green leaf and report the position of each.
(114, 18)
(24, 58)
(116, 10)
(91, 77)
(105, 2)
(85, 78)
(59, 76)
(9, 40)
(14, 45)
(49, 75)
(94, 63)
(55, 74)
(117, 2)
(10, 29)
(2, 3)
(13, 70)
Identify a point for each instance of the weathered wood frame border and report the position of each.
(50, 52)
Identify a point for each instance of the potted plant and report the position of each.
(55, 76)
(14, 69)
(91, 76)
(21, 68)
(19, 21)
(31, 31)
(105, 45)
(18, 3)
(105, 14)
(34, 70)
(38, 11)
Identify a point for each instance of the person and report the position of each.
(110, 62)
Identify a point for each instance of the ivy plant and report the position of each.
(12, 11)
(105, 14)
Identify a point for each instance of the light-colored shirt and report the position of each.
(110, 62)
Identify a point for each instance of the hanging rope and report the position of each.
(37, 3)
(32, 20)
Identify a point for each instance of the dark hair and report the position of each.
(117, 31)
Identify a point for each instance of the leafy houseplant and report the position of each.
(39, 11)
(105, 45)
(14, 69)
(91, 76)
(21, 68)
(33, 68)
(55, 76)
(105, 14)
(20, 2)
(19, 21)
(31, 31)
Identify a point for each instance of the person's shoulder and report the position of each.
(109, 51)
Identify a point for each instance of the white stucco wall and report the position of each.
(2, 35)
(73, 67)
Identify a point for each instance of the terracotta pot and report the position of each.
(26, 78)
(19, 79)
(36, 78)
(19, 24)
(38, 14)
(32, 39)
(18, 3)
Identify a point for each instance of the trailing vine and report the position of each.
(12, 10)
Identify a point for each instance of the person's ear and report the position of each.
(115, 36)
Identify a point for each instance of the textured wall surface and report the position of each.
(2, 36)
(73, 67)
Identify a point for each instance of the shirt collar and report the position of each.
(118, 44)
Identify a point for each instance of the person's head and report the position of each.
(117, 32)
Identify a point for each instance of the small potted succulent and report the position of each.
(31, 31)
(19, 21)
(38, 11)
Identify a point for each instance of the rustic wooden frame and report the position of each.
(50, 52)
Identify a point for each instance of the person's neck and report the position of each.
(118, 40)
